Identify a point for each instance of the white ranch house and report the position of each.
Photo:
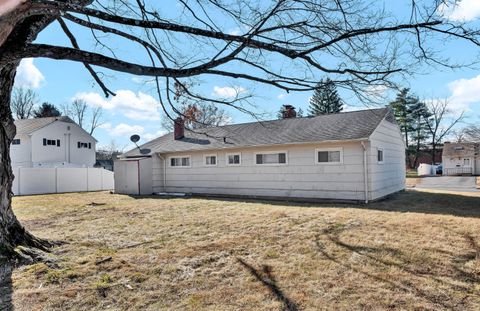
(357, 156)
(52, 142)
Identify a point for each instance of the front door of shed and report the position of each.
(126, 177)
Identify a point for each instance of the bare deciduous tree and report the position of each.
(287, 44)
(440, 123)
(23, 102)
(199, 115)
(471, 133)
(86, 117)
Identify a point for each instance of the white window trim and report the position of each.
(183, 156)
(383, 155)
(233, 154)
(271, 152)
(315, 156)
(210, 155)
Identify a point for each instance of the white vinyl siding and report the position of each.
(300, 178)
(389, 176)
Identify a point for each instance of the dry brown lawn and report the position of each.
(414, 251)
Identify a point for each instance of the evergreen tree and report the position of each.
(419, 126)
(325, 99)
(403, 113)
(46, 110)
(412, 117)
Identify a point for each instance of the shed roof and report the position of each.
(353, 125)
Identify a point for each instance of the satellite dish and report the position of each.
(135, 138)
(145, 151)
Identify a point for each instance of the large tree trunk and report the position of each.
(17, 246)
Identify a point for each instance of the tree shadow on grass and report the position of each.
(6, 289)
(268, 280)
(378, 259)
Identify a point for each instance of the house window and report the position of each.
(325, 156)
(466, 162)
(180, 161)
(81, 145)
(271, 158)
(379, 155)
(16, 142)
(210, 160)
(51, 142)
(234, 159)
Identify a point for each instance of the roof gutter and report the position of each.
(365, 171)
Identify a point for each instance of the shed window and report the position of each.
(271, 158)
(380, 155)
(210, 160)
(329, 155)
(233, 159)
(180, 161)
(81, 145)
(16, 142)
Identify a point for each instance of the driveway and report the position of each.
(449, 183)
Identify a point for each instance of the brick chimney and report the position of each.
(178, 128)
(289, 112)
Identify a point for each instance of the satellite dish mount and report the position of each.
(135, 139)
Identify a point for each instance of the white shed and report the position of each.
(133, 176)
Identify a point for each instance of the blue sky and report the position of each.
(135, 109)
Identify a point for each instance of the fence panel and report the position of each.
(37, 180)
(107, 180)
(71, 179)
(94, 179)
(59, 180)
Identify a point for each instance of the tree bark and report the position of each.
(12, 233)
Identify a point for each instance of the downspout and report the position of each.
(164, 172)
(365, 171)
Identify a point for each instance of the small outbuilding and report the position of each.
(355, 156)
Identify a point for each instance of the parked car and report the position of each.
(440, 169)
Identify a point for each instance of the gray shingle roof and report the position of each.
(28, 126)
(343, 126)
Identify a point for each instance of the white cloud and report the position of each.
(465, 92)
(28, 75)
(465, 10)
(150, 136)
(227, 91)
(282, 96)
(138, 106)
(125, 130)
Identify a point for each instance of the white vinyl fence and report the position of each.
(29, 180)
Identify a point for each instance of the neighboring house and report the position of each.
(52, 142)
(461, 159)
(106, 164)
(357, 155)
